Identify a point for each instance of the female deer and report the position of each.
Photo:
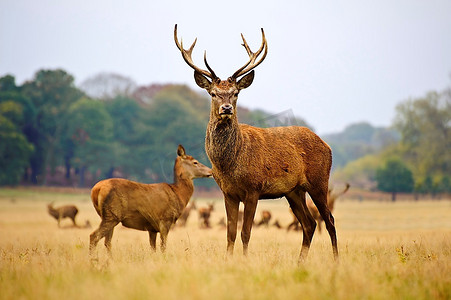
(148, 207)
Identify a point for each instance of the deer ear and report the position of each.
(202, 81)
(246, 81)
(181, 151)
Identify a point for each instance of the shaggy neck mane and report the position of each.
(223, 142)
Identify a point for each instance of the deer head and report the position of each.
(224, 93)
(188, 167)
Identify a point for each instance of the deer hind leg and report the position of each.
(319, 197)
(231, 206)
(108, 237)
(248, 219)
(104, 229)
(300, 210)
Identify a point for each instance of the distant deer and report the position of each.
(222, 224)
(204, 215)
(314, 211)
(277, 224)
(266, 217)
(147, 207)
(252, 163)
(295, 225)
(66, 211)
(185, 214)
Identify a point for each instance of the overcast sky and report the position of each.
(332, 63)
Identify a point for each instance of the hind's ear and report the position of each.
(181, 151)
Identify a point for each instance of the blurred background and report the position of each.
(94, 90)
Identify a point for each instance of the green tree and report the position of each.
(51, 92)
(127, 116)
(394, 177)
(444, 185)
(172, 119)
(17, 114)
(424, 125)
(90, 129)
(358, 140)
(15, 150)
(360, 172)
(8, 84)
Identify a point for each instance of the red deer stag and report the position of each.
(148, 207)
(252, 163)
(66, 211)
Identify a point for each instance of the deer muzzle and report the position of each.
(226, 110)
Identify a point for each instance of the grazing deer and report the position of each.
(204, 215)
(185, 214)
(252, 163)
(266, 217)
(148, 207)
(66, 211)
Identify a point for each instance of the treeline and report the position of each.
(413, 156)
(54, 133)
(358, 140)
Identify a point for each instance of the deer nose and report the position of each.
(226, 109)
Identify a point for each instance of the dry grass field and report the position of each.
(387, 251)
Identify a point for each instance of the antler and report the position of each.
(186, 54)
(251, 64)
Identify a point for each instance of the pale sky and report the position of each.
(332, 63)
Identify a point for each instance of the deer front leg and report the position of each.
(59, 220)
(231, 206)
(250, 205)
(153, 240)
(164, 231)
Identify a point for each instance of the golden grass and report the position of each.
(387, 251)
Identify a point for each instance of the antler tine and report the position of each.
(208, 67)
(252, 56)
(186, 54)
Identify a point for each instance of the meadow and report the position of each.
(388, 250)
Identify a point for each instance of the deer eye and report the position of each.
(236, 94)
(213, 95)
(195, 162)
